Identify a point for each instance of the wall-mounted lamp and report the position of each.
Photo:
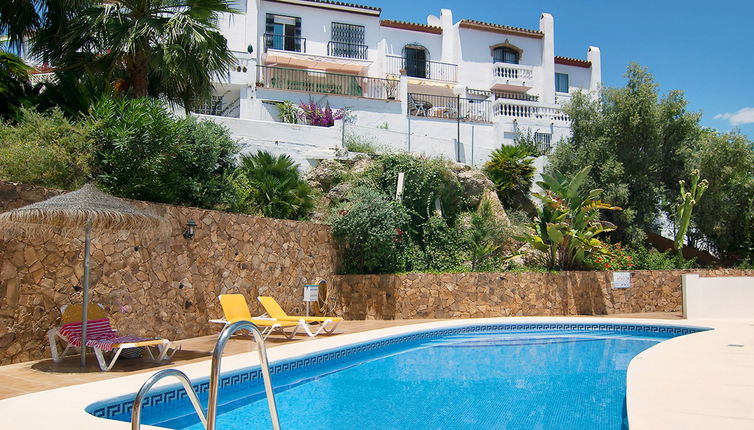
(190, 229)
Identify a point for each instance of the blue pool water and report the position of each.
(492, 379)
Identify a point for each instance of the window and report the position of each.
(212, 107)
(415, 61)
(347, 40)
(544, 142)
(504, 54)
(561, 82)
(284, 33)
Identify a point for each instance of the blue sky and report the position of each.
(704, 48)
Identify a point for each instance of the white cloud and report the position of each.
(743, 116)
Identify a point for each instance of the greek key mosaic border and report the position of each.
(169, 399)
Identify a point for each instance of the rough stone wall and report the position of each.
(170, 285)
(478, 295)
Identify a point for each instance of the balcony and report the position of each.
(445, 107)
(512, 77)
(314, 81)
(434, 70)
(528, 110)
(347, 50)
(284, 42)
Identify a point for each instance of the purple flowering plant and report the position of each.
(313, 114)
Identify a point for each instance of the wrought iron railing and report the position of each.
(512, 95)
(347, 50)
(284, 42)
(544, 142)
(313, 81)
(446, 107)
(498, 94)
(434, 70)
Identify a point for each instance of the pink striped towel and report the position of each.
(99, 334)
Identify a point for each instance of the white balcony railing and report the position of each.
(562, 98)
(530, 110)
(42, 78)
(512, 74)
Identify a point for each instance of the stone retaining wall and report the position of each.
(169, 287)
(163, 288)
(479, 295)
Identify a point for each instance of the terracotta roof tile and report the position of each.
(338, 3)
(567, 61)
(411, 26)
(497, 28)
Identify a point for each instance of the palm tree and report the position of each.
(15, 90)
(163, 48)
(277, 189)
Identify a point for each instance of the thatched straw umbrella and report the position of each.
(66, 214)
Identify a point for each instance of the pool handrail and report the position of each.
(214, 377)
(139, 399)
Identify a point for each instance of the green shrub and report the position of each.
(142, 151)
(47, 150)
(275, 186)
(204, 164)
(356, 143)
(485, 237)
(288, 112)
(651, 259)
(443, 246)
(614, 259)
(426, 181)
(511, 169)
(372, 229)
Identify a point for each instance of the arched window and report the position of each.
(415, 60)
(504, 54)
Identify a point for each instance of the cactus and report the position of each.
(688, 201)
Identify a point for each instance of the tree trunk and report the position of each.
(138, 75)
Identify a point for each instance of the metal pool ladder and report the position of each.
(210, 421)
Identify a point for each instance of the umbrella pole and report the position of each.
(85, 304)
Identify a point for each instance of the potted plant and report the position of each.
(391, 86)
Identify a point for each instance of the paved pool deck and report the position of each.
(699, 381)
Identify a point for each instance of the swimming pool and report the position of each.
(536, 375)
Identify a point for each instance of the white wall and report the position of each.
(397, 38)
(578, 77)
(475, 58)
(316, 24)
(304, 144)
(725, 297)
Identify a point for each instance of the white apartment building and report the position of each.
(453, 87)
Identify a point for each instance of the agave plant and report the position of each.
(568, 222)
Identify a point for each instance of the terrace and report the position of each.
(422, 69)
(315, 81)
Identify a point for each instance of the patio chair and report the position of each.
(236, 309)
(102, 338)
(329, 324)
(418, 107)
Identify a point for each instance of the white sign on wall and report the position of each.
(621, 279)
(311, 293)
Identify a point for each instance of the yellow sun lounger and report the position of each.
(236, 309)
(329, 324)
